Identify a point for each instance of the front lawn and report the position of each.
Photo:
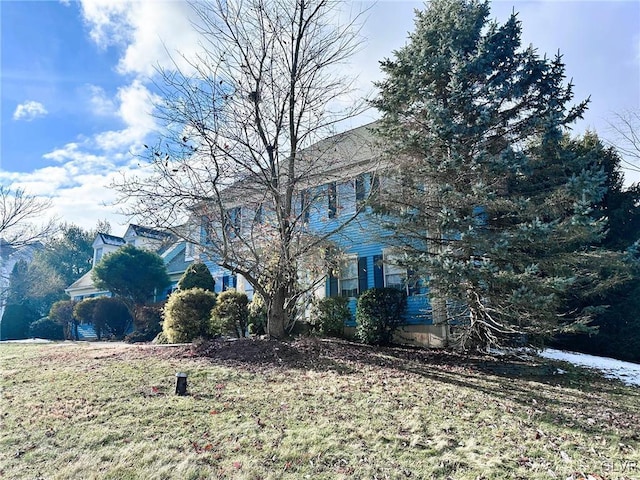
(307, 409)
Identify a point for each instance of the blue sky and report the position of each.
(77, 80)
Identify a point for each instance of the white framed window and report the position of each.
(233, 221)
(348, 279)
(395, 276)
(360, 191)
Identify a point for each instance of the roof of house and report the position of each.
(141, 231)
(111, 239)
(85, 281)
(341, 156)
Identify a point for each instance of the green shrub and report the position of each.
(111, 315)
(83, 310)
(148, 323)
(187, 315)
(257, 316)
(379, 313)
(46, 328)
(141, 336)
(197, 275)
(15, 322)
(231, 313)
(329, 315)
(62, 312)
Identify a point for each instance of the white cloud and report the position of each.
(136, 111)
(150, 32)
(29, 111)
(79, 189)
(107, 20)
(100, 103)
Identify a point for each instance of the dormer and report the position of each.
(144, 237)
(103, 244)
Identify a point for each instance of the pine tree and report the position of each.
(489, 204)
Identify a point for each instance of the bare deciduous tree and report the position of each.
(18, 212)
(626, 130)
(240, 119)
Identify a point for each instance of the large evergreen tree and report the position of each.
(492, 208)
(614, 263)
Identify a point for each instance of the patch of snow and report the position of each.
(29, 340)
(627, 372)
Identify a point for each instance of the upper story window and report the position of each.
(207, 229)
(98, 255)
(233, 221)
(360, 191)
(332, 199)
(258, 217)
(189, 252)
(305, 205)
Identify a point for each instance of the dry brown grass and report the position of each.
(307, 409)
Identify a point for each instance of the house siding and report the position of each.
(363, 237)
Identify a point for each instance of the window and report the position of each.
(332, 196)
(360, 191)
(395, 276)
(228, 281)
(99, 252)
(304, 205)
(207, 229)
(348, 280)
(233, 221)
(258, 216)
(189, 252)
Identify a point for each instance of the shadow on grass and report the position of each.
(578, 399)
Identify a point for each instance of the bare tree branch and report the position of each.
(235, 156)
(626, 130)
(18, 211)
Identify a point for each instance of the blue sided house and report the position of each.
(334, 203)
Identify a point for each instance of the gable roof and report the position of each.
(140, 231)
(110, 239)
(85, 281)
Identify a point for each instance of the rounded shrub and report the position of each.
(46, 328)
(148, 323)
(197, 275)
(15, 322)
(231, 313)
(329, 315)
(187, 315)
(111, 316)
(61, 312)
(83, 310)
(379, 313)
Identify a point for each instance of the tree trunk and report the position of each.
(276, 314)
